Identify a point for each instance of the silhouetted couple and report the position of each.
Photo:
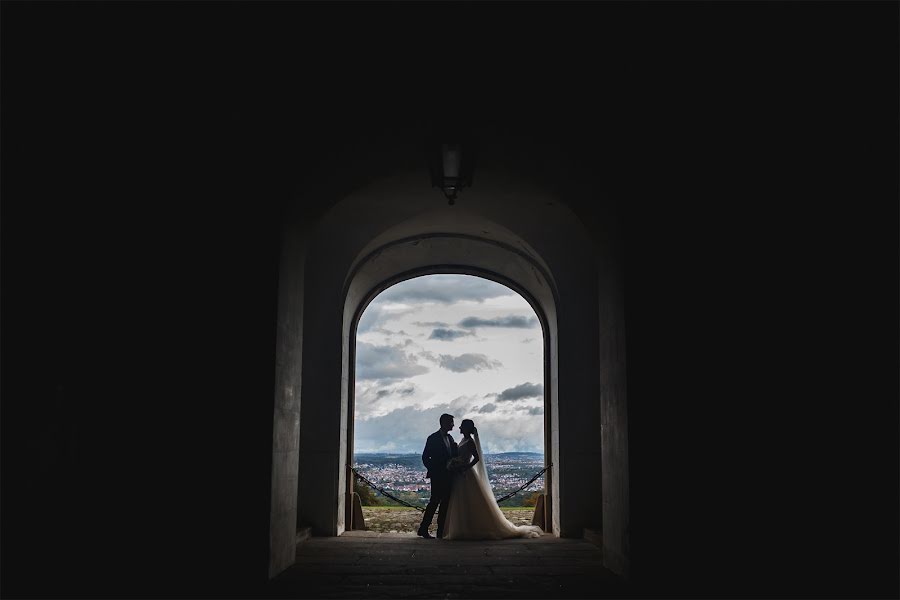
(460, 490)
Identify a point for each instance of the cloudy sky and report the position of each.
(449, 343)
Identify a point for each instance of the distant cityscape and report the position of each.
(403, 475)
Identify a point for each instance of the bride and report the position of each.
(473, 512)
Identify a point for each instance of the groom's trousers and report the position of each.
(440, 497)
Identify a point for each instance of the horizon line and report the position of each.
(417, 453)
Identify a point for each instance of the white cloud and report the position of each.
(448, 335)
(417, 379)
(385, 362)
(400, 391)
(521, 391)
(405, 429)
(513, 321)
(377, 313)
(468, 362)
(431, 324)
(444, 289)
(378, 398)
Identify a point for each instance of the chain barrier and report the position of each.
(381, 490)
(529, 482)
(420, 509)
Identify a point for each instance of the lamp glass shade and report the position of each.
(451, 161)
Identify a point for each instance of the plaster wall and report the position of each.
(286, 422)
(613, 417)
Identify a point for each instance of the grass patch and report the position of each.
(402, 519)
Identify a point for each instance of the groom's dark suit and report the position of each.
(435, 458)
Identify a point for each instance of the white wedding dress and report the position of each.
(473, 513)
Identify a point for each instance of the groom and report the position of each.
(439, 448)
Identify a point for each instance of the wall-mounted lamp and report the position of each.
(451, 167)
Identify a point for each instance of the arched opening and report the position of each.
(463, 344)
(445, 254)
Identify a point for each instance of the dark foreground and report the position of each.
(372, 565)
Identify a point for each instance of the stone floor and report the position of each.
(366, 564)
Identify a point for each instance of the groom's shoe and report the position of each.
(424, 533)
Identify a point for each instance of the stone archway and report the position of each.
(434, 253)
(508, 229)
